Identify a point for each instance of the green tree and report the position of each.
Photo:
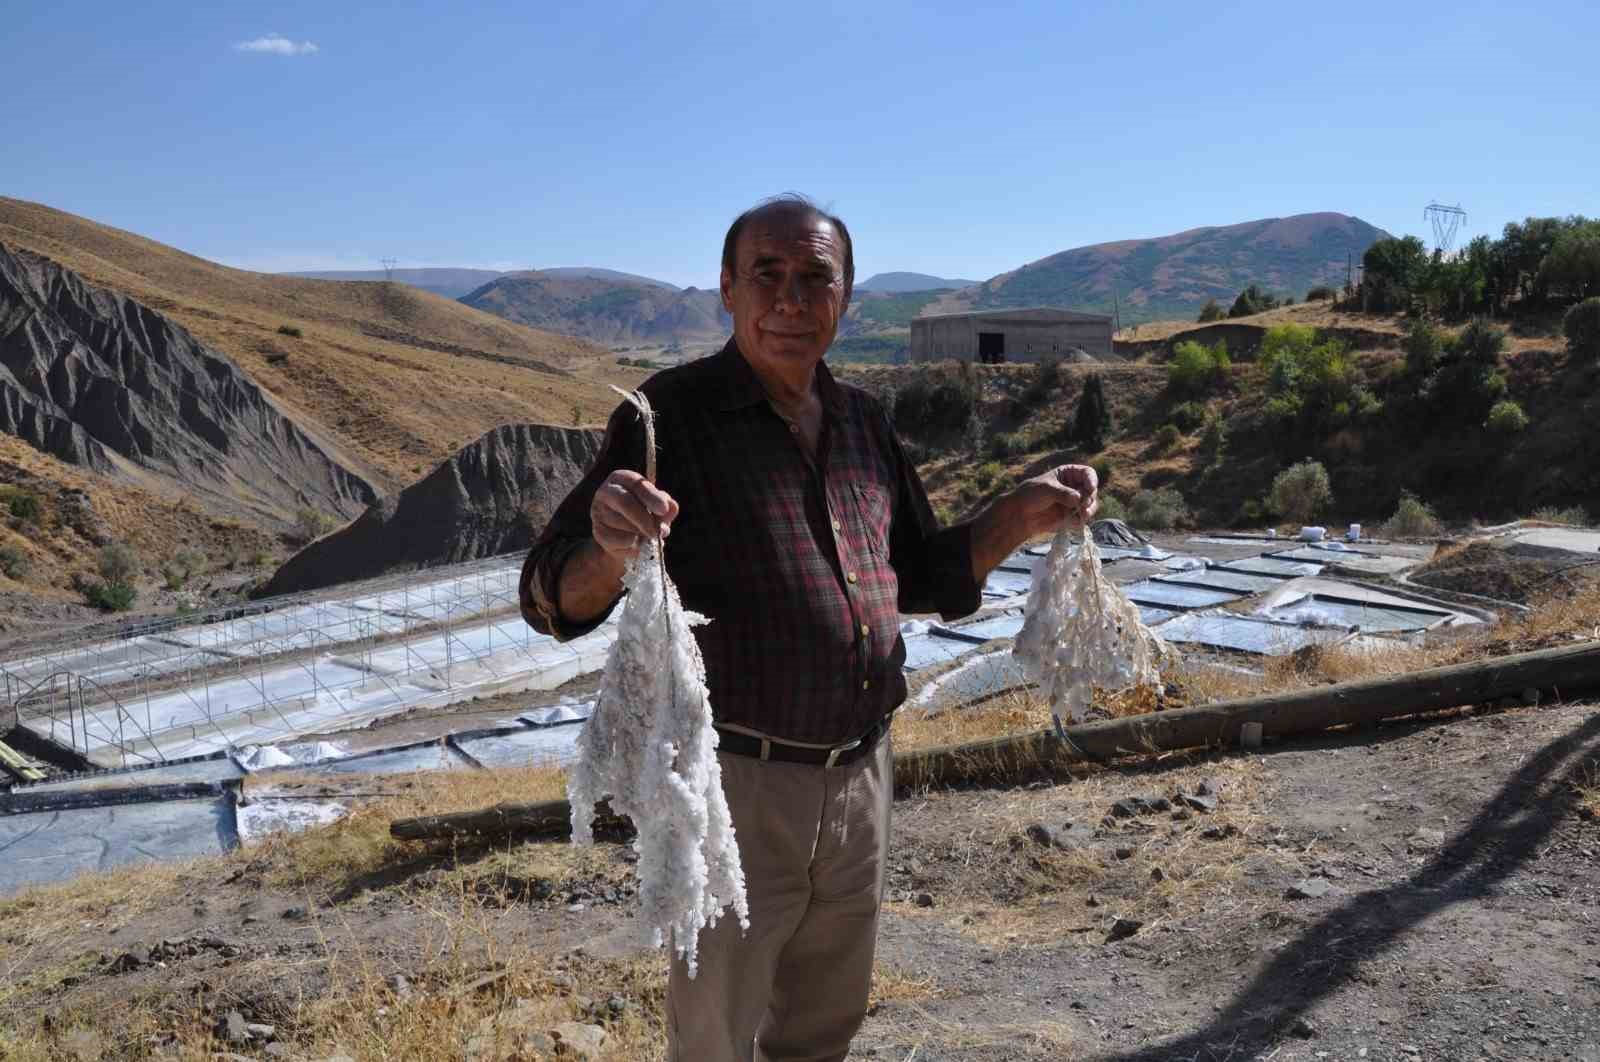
(1091, 424)
(1424, 346)
(1581, 325)
(1210, 312)
(1573, 265)
(1524, 245)
(1393, 270)
(1252, 300)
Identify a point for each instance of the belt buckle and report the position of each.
(834, 753)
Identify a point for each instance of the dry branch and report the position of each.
(1565, 670)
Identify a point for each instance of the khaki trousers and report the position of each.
(813, 841)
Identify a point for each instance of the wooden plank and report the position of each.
(19, 765)
(1566, 669)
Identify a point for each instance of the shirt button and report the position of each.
(865, 630)
(850, 577)
(837, 526)
(866, 684)
(794, 429)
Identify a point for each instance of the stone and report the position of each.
(295, 914)
(1199, 801)
(233, 1029)
(1156, 874)
(616, 1006)
(563, 981)
(1182, 815)
(1309, 889)
(127, 962)
(399, 984)
(1208, 787)
(578, 1040)
(1425, 840)
(1303, 1028)
(1122, 929)
(1126, 853)
(1218, 833)
(924, 899)
(1069, 837)
(510, 1034)
(260, 1030)
(278, 1050)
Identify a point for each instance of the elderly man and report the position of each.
(796, 523)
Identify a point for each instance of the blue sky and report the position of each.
(956, 139)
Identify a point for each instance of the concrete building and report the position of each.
(994, 336)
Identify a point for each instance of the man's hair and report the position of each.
(789, 203)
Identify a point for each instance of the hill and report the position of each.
(446, 283)
(894, 283)
(489, 498)
(1173, 276)
(604, 309)
(98, 380)
(396, 379)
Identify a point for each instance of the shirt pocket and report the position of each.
(874, 515)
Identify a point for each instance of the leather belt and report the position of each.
(742, 742)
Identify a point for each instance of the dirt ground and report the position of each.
(1449, 912)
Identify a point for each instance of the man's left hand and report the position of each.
(1066, 495)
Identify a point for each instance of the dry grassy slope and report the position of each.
(77, 509)
(393, 378)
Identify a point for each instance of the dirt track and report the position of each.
(1461, 919)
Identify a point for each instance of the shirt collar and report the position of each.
(741, 387)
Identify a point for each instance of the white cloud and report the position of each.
(277, 44)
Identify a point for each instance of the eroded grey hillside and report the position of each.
(485, 500)
(100, 380)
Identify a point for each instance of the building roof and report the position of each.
(1029, 313)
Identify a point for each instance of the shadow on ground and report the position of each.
(1509, 831)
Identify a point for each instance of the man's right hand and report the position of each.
(628, 508)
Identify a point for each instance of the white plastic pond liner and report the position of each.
(1080, 632)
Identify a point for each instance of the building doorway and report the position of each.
(991, 347)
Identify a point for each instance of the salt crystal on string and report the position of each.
(649, 745)
(1079, 630)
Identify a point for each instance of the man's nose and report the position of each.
(791, 293)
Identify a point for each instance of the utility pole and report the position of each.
(388, 268)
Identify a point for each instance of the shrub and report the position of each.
(1196, 369)
(290, 330)
(309, 525)
(1301, 491)
(1167, 437)
(1320, 293)
(1111, 508)
(1210, 312)
(937, 403)
(109, 597)
(1046, 377)
(118, 563)
(24, 506)
(1413, 518)
(14, 563)
(1158, 510)
(1007, 444)
(1103, 470)
(1091, 424)
(987, 474)
(1506, 418)
(1214, 439)
(183, 566)
(1187, 416)
(1581, 326)
(1573, 516)
(1424, 346)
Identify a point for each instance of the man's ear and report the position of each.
(727, 289)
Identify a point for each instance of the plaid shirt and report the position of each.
(803, 571)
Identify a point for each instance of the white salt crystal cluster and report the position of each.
(1079, 631)
(650, 747)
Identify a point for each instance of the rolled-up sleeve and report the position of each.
(569, 528)
(932, 564)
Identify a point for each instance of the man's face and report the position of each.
(787, 291)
